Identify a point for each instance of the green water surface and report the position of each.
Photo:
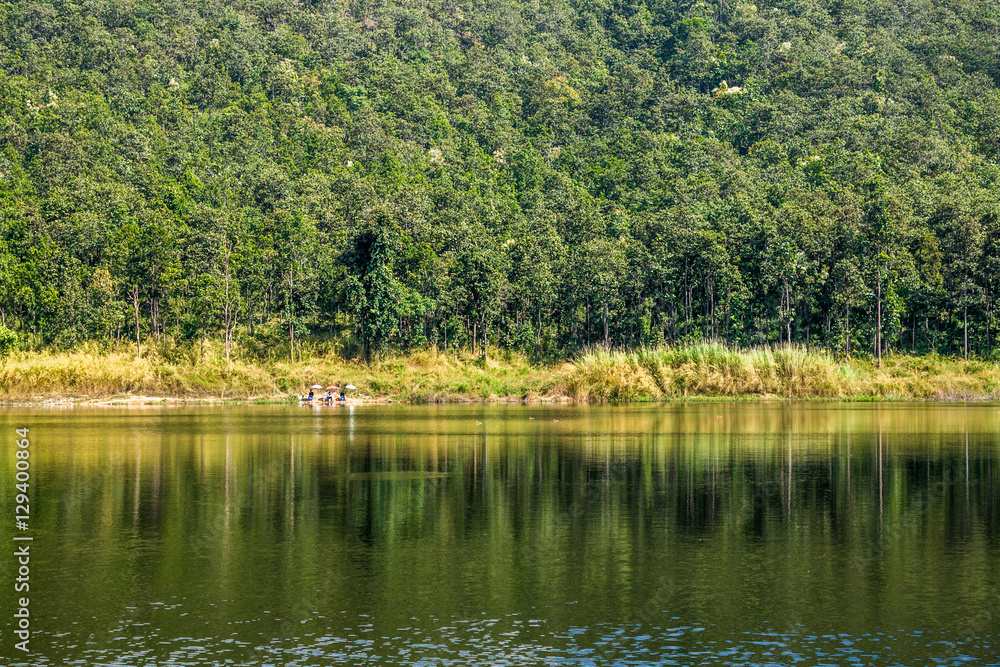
(704, 534)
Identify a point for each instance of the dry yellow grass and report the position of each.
(429, 375)
(789, 372)
(169, 371)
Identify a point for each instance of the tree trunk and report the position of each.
(847, 319)
(291, 314)
(606, 346)
(687, 303)
(989, 315)
(538, 336)
(729, 318)
(227, 309)
(486, 341)
(134, 293)
(715, 319)
(965, 325)
(156, 324)
(788, 306)
(231, 307)
(878, 317)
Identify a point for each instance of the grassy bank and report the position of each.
(429, 375)
(714, 370)
(423, 376)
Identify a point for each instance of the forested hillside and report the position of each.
(538, 174)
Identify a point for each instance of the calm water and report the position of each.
(813, 534)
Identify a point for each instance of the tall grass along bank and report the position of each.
(786, 372)
(708, 370)
(196, 373)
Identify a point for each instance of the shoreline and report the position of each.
(702, 372)
(116, 401)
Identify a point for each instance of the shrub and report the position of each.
(9, 341)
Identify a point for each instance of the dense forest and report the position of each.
(540, 175)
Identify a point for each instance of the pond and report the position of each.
(700, 533)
